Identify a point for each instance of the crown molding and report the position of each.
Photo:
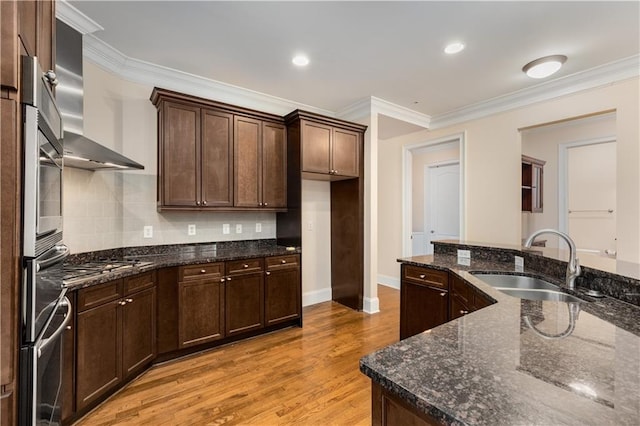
(372, 105)
(76, 19)
(589, 79)
(137, 71)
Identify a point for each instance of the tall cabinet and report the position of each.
(328, 149)
(28, 28)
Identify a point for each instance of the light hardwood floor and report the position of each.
(306, 376)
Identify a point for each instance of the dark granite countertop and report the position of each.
(155, 257)
(490, 368)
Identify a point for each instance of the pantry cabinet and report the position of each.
(215, 156)
(329, 150)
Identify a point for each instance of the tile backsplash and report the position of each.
(108, 209)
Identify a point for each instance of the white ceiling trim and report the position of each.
(589, 79)
(372, 105)
(76, 19)
(114, 61)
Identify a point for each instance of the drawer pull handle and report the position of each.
(463, 312)
(423, 276)
(268, 273)
(283, 261)
(443, 294)
(203, 271)
(245, 266)
(128, 300)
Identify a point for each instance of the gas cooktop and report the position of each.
(84, 271)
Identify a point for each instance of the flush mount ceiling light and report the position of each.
(453, 48)
(300, 60)
(544, 67)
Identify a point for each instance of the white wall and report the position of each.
(109, 209)
(492, 170)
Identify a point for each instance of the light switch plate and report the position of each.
(464, 253)
(258, 227)
(225, 228)
(147, 231)
(191, 229)
(238, 228)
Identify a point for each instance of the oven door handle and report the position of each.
(62, 252)
(45, 342)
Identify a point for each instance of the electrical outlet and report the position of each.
(464, 261)
(238, 228)
(225, 228)
(310, 225)
(147, 231)
(191, 230)
(464, 254)
(519, 263)
(258, 227)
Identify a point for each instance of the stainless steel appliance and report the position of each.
(75, 274)
(45, 309)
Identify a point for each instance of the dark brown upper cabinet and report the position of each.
(214, 156)
(532, 184)
(329, 150)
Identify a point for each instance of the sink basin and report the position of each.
(540, 294)
(524, 287)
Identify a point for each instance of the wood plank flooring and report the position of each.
(307, 376)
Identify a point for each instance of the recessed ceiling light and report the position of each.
(544, 67)
(454, 48)
(300, 60)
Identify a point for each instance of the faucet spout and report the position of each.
(573, 267)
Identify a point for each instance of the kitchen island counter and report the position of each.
(489, 367)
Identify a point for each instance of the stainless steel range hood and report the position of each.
(79, 151)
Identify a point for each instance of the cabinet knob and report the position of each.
(204, 203)
(268, 273)
(68, 327)
(128, 300)
(423, 276)
(203, 271)
(443, 294)
(122, 303)
(228, 278)
(197, 203)
(245, 266)
(265, 204)
(222, 279)
(283, 261)
(51, 77)
(260, 204)
(463, 312)
(335, 172)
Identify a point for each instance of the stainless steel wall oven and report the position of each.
(45, 311)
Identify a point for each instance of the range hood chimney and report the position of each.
(79, 151)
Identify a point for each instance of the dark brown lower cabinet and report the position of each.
(424, 300)
(98, 351)
(282, 299)
(201, 305)
(138, 331)
(244, 296)
(389, 410)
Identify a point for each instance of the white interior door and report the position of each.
(442, 203)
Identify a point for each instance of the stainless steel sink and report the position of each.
(524, 287)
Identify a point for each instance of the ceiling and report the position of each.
(390, 50)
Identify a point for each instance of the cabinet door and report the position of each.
(201, 311)
(282, 295)
(180, 153)
(46, 34)
(217, 154)
(138, 331)
(247, 184)
(316, 146)
(421, 308)
(99, 349)
(244, 307)
(8, 44)
(274, 165)
(458, 307)
(345, 152)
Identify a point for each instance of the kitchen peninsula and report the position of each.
(509, 362)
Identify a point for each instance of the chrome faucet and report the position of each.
(573, 267)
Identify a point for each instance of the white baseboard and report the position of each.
(371, 305)
(316, 296)
(388, 281)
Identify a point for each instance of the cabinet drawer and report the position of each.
(244, 266)
(430, 277)
(205, 270)
(461, 289)
(282, 262)
(99, 294)
(139, 282)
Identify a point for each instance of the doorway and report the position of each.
(428, 175)
(442, 203)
